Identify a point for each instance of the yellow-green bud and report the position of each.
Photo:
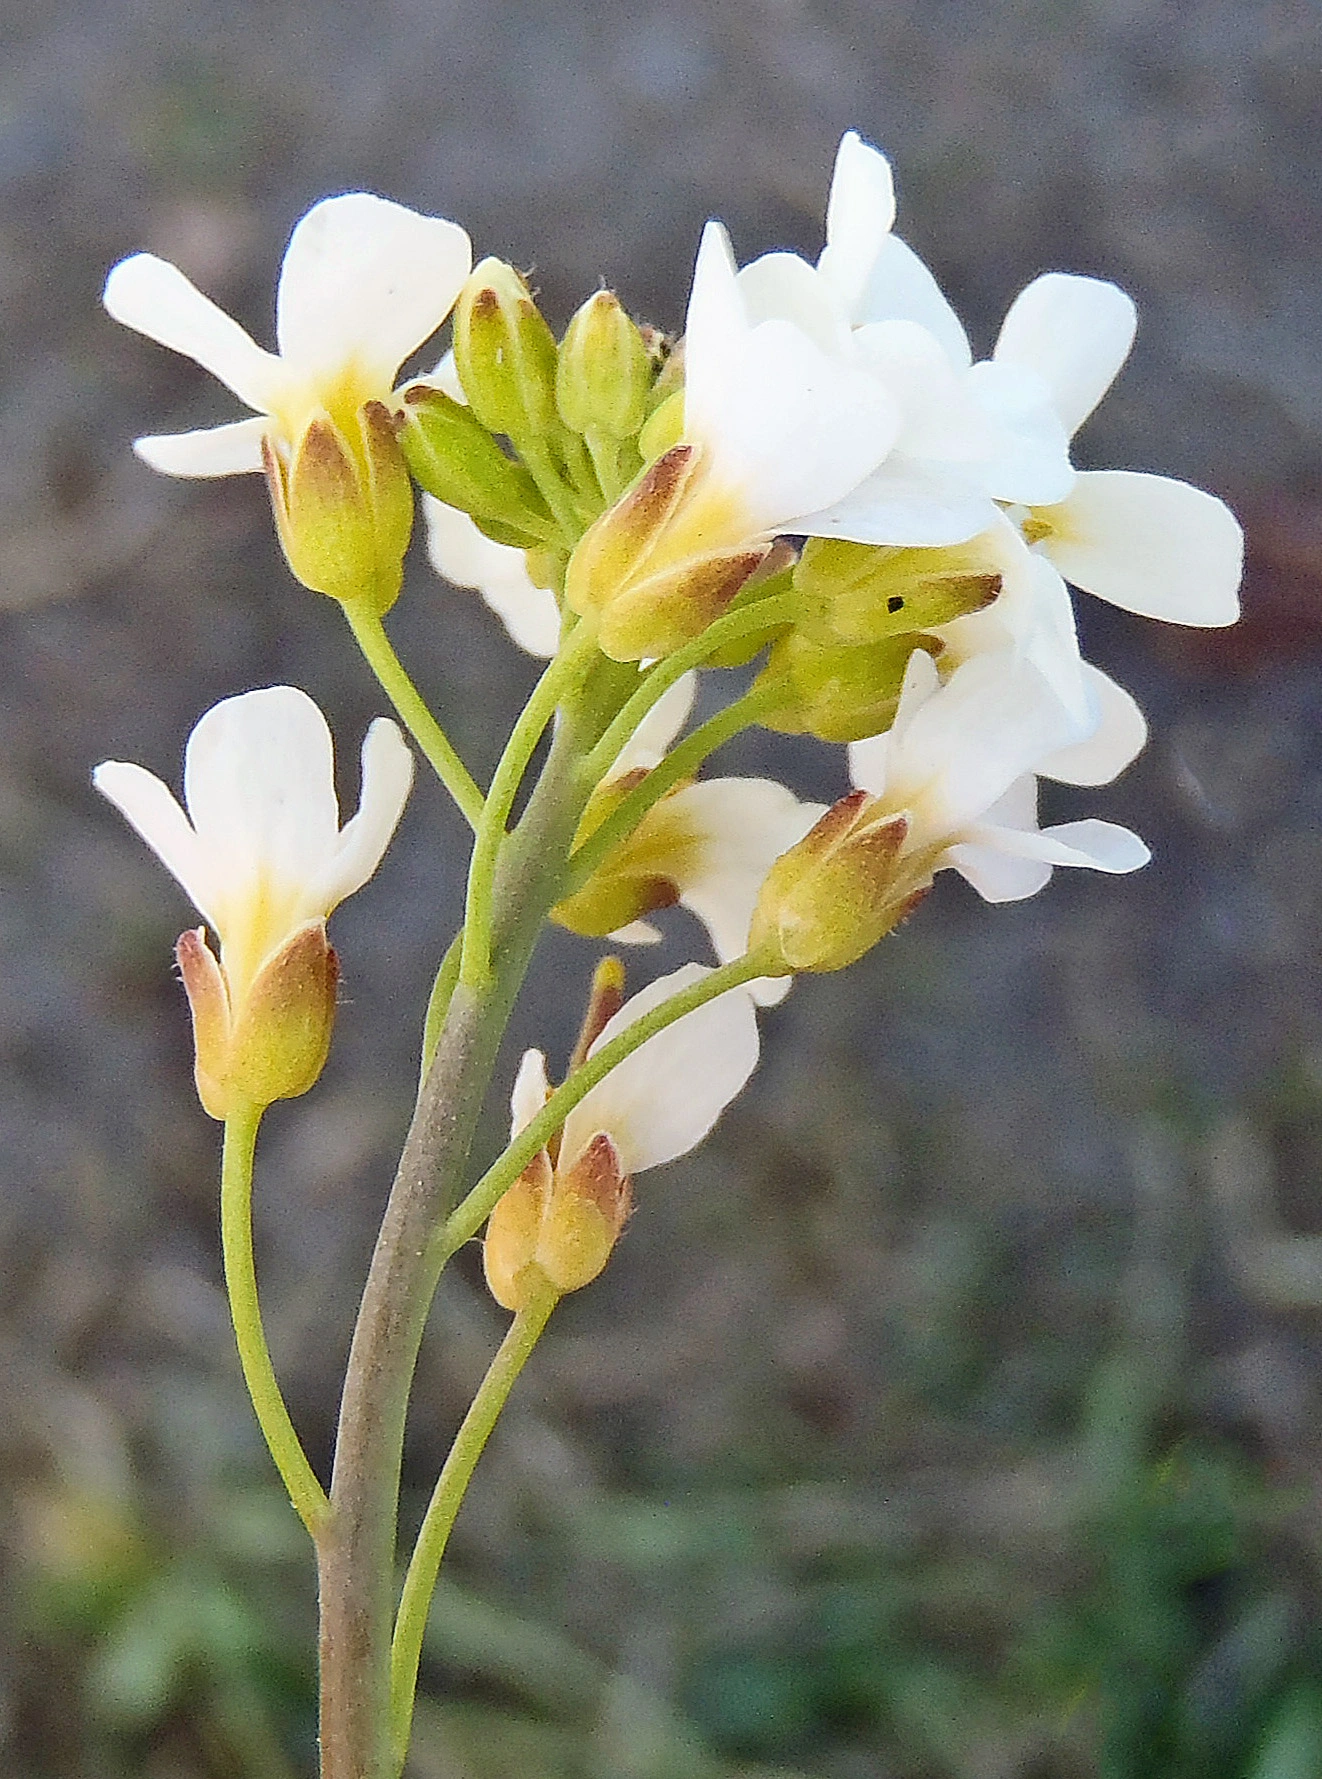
(604, 371)
(454, 457)
(842, 888)
(273, 1046)
(554, 1228)
(834, 691)
(664, 428)
(656, 568)
(344, 507)
(866, 593)
(505, 353)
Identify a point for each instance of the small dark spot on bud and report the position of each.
(486, 304)
(895, 603)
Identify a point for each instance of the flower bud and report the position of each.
(834, 691)
(635, 878)
(505, 353)
(604, 371)
(556, 1228)
(657, 568)
(865, 593)
(454, 457)
(273, 1045)
(343, 506)
(842, 888)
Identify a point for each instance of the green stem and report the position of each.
(468, 1217)
(438, 1002)
(560, 678)
(570, 517)
(680, 763)
(306, 1493)
(447, 1498)
(769, 615)
(411, 708)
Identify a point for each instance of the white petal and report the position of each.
(651, 740)
(901, 288)
(715, 330)
(232, 450)
(661, 1101)
(1031, 462)
(465, 556)
(638, 932)
(1099, 846)
(783, 287)
(905, 502)
(530, 1092)
(365, 282)
(1117, 740)
(1160, 548)
(859, 215)
(153, 810)
(154, 298)
(996, 875)
(1076, 333)
(387, 778)
(739, 827)
(259, 785)
(943, 418)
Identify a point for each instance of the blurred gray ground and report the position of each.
(872, 1315)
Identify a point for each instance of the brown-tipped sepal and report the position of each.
(664, 562)
(343, 507)
(509, 1248)
(604, 370)
(829, 899)
(836, 691)
(274, 1045)
(557, 1229)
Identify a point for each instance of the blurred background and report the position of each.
(955, 1413)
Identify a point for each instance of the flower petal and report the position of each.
(859, 214)
(232, 450)
(1031, 464)
(365, 282)
(154, 298)
(998, 876)
(1160, 548)
(781, 286)
(387, 779)
(530, 1092)
(661, 1101)
(1099, 846)
(648, 744)
(906, 502)
(1074, 332)
(151, 808)
(901, 288)
(1117, 740)
(259, 785)
(464, 555)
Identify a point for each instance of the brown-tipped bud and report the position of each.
(505, 353)
(866, 593)
(589, 1207)
(272, 1046)
(665, 561)
(837, 692)
(344, 507)
(604, 371)
(454, 457)
(842, 888)
(605, 999)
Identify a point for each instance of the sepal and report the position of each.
(505, 353)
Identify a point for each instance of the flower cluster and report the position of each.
(818, 483)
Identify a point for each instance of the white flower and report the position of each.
(557, 1225)
(1154, 546)
(464, 555)
(261, 852)
(971, 434)
(959, 764)
(364, 283)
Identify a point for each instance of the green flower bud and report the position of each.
(343, 507)
(505, 353)
(454, 457)
(829, 899)
(604, 371)
(836, 692)
(865, 593)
